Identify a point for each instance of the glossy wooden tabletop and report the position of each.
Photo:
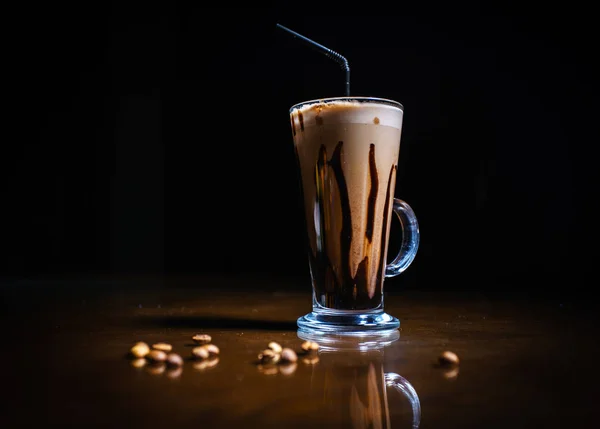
(524, 363)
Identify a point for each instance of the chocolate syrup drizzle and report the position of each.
(372, 193)
(340, 289)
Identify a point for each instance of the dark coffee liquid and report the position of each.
(348, 174)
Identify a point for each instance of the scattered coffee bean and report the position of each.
(140, 350)
(276, 347)
(268, 356)
(173, 359)
(310, 346)
(288, 368)
(212, 349)
(156, 369)
(205, 364)
(448, 358)
(288, 355)
(138, 363)
(310, 360)
(163, 347)
(200, 352)
(202, 338)
(156, 356)
(268, 369)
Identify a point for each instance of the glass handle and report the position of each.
(402, 385)
(410, 239)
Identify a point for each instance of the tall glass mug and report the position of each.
(347, 151)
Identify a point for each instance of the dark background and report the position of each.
(155, 140)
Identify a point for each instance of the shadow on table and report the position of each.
(214, 322)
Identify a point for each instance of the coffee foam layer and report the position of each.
(347, 111)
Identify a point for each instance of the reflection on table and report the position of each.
(352, 382)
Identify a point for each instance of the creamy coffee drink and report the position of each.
(347, 151)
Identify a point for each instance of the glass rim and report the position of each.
(360, 99)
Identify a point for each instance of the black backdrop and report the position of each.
(155, 139)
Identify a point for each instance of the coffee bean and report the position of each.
(448, 358)
(200, 352)
(163, 347)
(173, 359)
(288, 355)
(156, 356)
(140, 350)
(310, 346)
(212, 349)
(268, 356)
(202, 338)
(276, 347)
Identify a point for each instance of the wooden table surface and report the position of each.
(524, 362)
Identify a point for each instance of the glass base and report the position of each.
(350, 323)
(362, 341)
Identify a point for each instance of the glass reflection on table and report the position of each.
(352, 382)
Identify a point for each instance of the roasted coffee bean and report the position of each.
(276, 347)
(269, 356)
(139, 350)
(173, 359)
(156, 356)
(448, 358)
(163, 347)
(310, 346)
(288, 355)
(212, 349)
(202, 338)
(200, 352)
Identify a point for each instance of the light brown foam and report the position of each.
(319, 113)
